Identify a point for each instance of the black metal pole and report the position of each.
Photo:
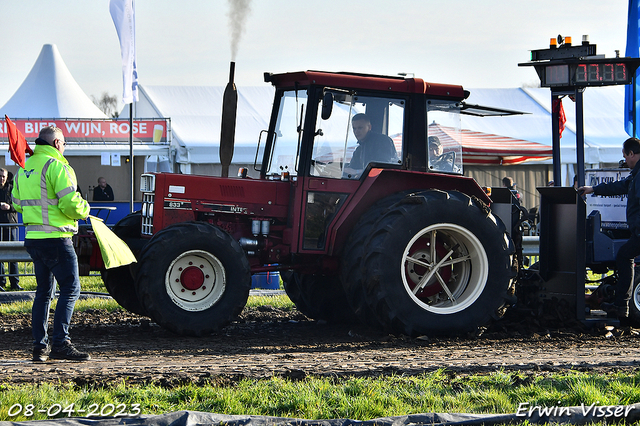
(580, 135)
(555, 140)
(633, 105)
(131, 153)
(581, 215)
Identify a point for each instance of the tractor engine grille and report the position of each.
(147, 213)
(232, 191)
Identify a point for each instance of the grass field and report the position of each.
(324, 398)
(318, 397)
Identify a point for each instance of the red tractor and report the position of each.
(401, 241)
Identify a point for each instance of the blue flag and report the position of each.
(633, 51)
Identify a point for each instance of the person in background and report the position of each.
(8, 214)
(518, 215)
(508, 182)
(629, 250)
(103, 191)
(45, 193)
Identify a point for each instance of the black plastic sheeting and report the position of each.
(535, 415)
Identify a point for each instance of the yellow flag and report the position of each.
(115, 252)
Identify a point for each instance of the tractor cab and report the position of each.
(323, 125)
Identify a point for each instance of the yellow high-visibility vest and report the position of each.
(45, 193)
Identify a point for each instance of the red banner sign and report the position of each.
(79, 130)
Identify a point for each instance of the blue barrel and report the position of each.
(266, 280)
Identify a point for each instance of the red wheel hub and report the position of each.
(192, 278)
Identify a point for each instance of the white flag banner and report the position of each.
(123, 15)
(7, 159)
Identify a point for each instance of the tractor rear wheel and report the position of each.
(351, 271)
(634, 303)
(193, 278)
(120, 282)
(319, 297)
(438, 263)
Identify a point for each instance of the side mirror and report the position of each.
(327, 105)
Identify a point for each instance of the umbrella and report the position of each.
(115, 252)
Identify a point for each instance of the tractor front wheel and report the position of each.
(193, 278)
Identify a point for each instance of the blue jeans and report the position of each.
(54, 257)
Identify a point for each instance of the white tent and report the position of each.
(50, 94)
(603, 121)
(50, 91)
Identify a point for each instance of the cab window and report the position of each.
(444, 138)
(359, 131)
(288, 133)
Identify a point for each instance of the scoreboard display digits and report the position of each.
(621, 72)
(557, 74)
(601, 73)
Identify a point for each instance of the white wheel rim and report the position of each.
(195, 280)
(636, 298)
(446, 284)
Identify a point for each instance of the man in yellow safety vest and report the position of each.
(45, 193)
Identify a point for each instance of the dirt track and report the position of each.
(265, 342)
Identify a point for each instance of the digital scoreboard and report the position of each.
(570, 66)
(567, 70)
(594, 72)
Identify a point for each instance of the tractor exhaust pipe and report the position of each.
(228, 125)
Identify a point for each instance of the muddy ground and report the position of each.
(266, 342)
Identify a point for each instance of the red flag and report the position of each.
(17, 143)
(562, 119)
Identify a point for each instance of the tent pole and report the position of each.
(131, 153)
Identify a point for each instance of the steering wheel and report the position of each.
(445, 162)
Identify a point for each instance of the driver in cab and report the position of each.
(435, 154)
(372, 146)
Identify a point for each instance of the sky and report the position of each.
(474, 43)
